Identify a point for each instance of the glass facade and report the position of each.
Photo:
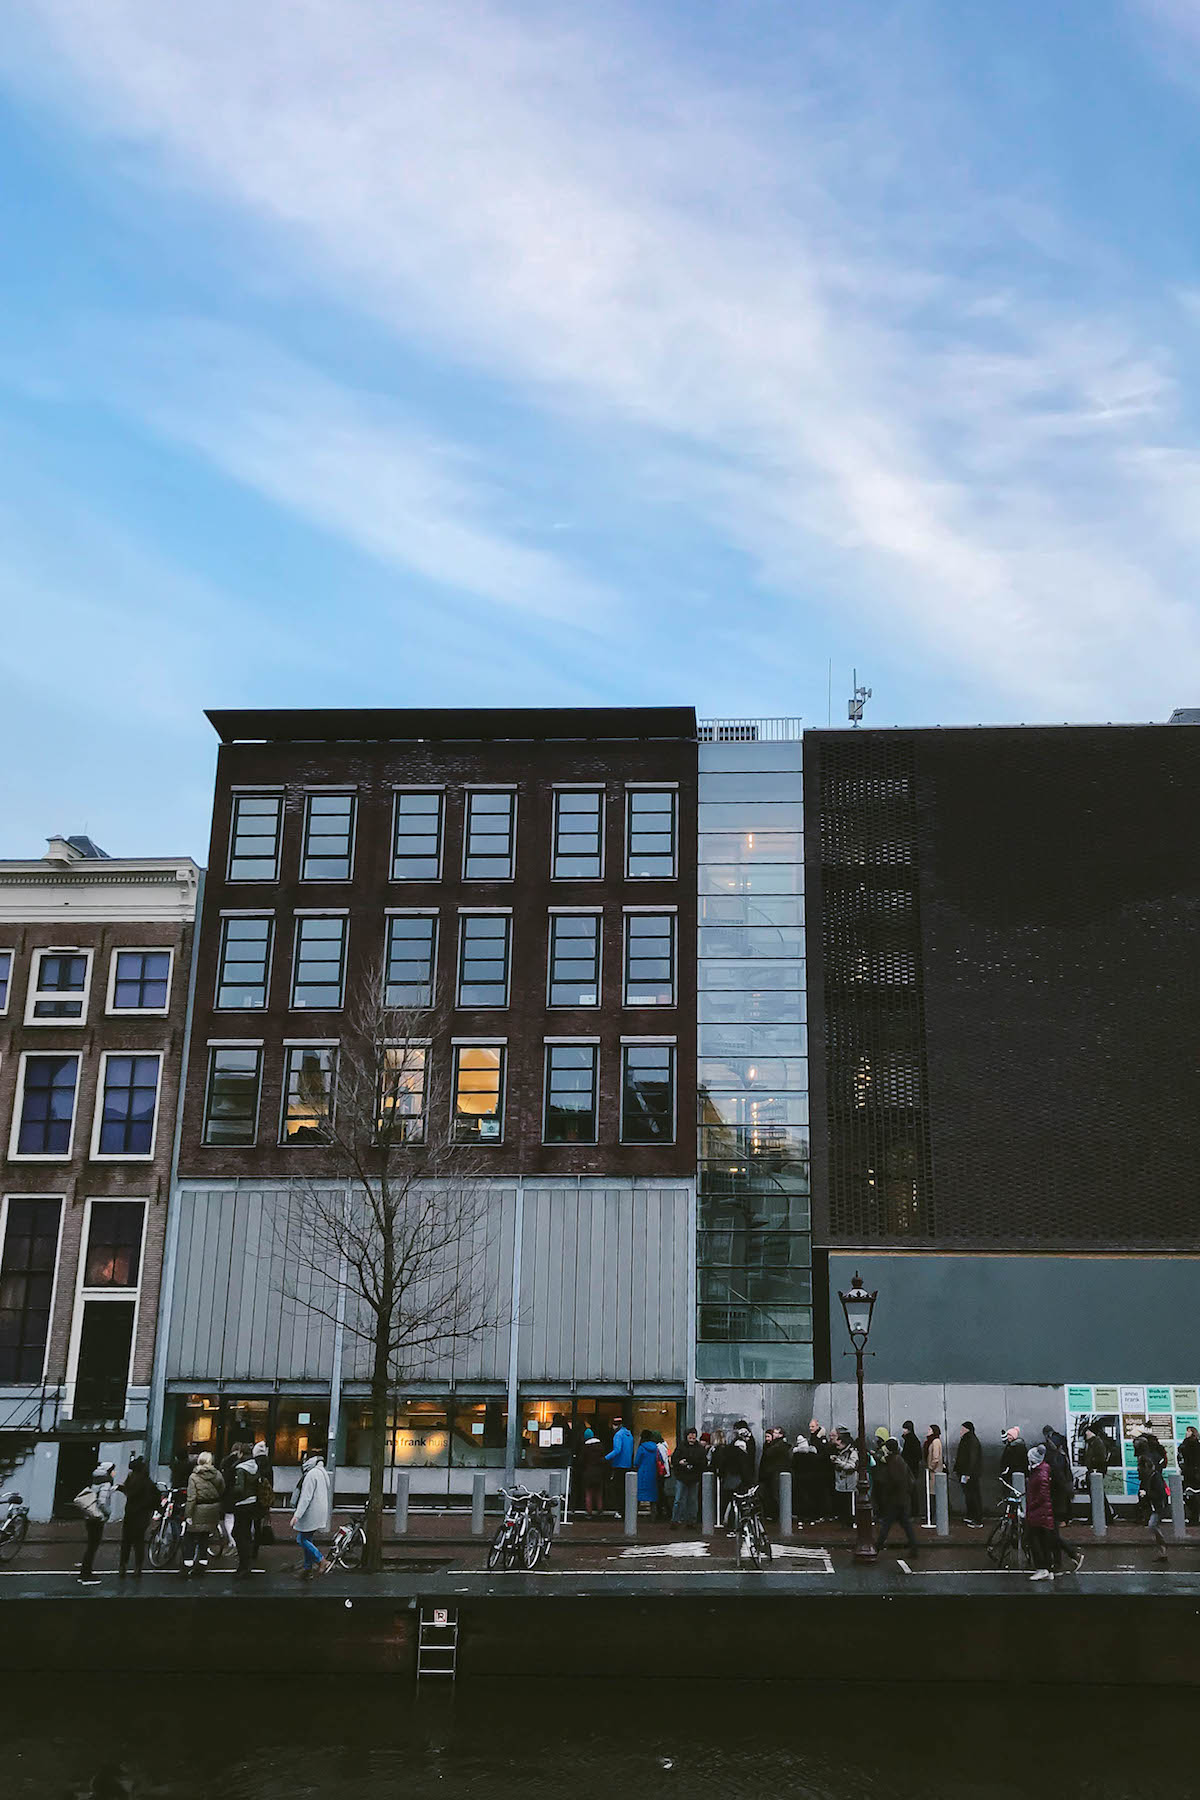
(754, 1275)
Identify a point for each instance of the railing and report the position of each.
(750, 731)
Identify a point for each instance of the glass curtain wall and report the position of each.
(754, 1276)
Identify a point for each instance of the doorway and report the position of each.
(76, 1460)
(102, 1366)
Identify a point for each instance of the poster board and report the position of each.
(1122, 1410)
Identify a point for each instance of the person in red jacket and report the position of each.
(1040, 1528)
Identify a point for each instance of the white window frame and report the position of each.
(139, 1012)
(31, 1156)
(311, 793)
(7, 950)
(106, 1296)
(62, 1210)
(579, 787)
(34, 993)
(488, 787)
(651, 787)
(113, 1156)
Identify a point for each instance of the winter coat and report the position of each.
(1097, 1453)
(689, 1462)
(894, 1483)
(1062, 1482)
(621, 1454)
(102, 1489)
(730, 1467)
(910, 1450)
(968, 1458)
(591, 1464)
(1015, 1460)
(1151, 1478)
(1188, 1458)
(845, 1469)
(1039, 1508)
(314, 1508)
(204, 1508)
(242, 1493)
(776, 1456)
(746, 1439)
(646, 1464)
(141, 1497)
(935, 1455)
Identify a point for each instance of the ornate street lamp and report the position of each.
(858, 1306)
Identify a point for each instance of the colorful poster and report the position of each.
(1122, 1413)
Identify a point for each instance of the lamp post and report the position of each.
(858, 1305)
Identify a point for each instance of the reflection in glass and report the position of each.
(714, 974)
(752, 1006)
(751, 878)
(759, 1072)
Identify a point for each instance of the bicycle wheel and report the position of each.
(999, 1544)
(764, 1544)
(532, 1545)
(748, 1551)
(217, 1546)
(354, 1549)
(163, 1547)
(13, 1538)
(499, 1551)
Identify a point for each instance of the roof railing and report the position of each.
(749, 731)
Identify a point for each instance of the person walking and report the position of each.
(688, 1465)
(1188, 1458)
(910, 1450)
(202, 1514)
(646, 1465)
(227, 1466)
(894, 1494)
(314, 1509)
(776, 1457)
(1040, 1532)
(1153, 1486)
(968, 1464)
(95, 1503)
(141, 1497)
(263, 1531)
(244, 1492)
(1062, 1486)
(1097, 1456)
(1014, 1456)
(590, 1472)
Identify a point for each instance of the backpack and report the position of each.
(88, 1502)
(266, 1493)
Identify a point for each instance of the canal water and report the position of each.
(259, 1739)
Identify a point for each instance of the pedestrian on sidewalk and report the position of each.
(726, 1462)
(1062, 1486)
(934, 1457)
(819, 1439)
(95, 1503)
(1153, 1486)
(314, 1510)
(263, 1530)
(662, 1511)
(1188, 1458)
(590, 1472)
(1097, 1456)
(968, 1463)
(910, 1450)
(619, 1461)
(745, 1436)
(141, 1498)
(646, 1463)
(807, 1481)
(1040, 1532)
(244, 1494)
(894, 1493)
(776, 1457)
(688, 1465)
(202, 1514)
(1014, 1455)
(845, 1474)
(228, 1466)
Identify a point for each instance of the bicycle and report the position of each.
(523, 1538)
(13, 1527)
(753, 1544)
(166, 1537)
(1008, 1533)
(349, 1545)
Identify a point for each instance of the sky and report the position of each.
(449, 352)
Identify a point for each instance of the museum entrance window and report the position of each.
(245, 1422)
(300, 1426)
(479, 1439)
(196, 1417)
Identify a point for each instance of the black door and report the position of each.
(102, 1373)
(76, 1460)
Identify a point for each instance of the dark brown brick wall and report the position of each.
(374, 769)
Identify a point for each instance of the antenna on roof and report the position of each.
(859, 701)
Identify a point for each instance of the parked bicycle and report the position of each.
(526, 1531)
(13, 1526)
(1008, 1536)
(167, 1528)
(349, 1545)
(753, 1544)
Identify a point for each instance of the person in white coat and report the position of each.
(314, 1508)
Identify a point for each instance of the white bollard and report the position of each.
(941, 1496)
(785, 1503)
(1178, 1513)
(1099, 1511)
(631, 1513)
(478, 1501)
(401, 1502)
(708, 1503)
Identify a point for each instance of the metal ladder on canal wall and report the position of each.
(437, 1642)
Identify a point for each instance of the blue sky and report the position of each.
(453, 353)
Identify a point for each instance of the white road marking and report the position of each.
(901, 1564)
(698, 1548)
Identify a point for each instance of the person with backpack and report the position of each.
(243, 1494)
(263, 1532)
(141, 1497)
(95, 1503)
(894, 1486)
(202, 1514)
(1097, 1457)
(1150, 1475)
(228, 1465)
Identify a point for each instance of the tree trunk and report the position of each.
(380, 1401)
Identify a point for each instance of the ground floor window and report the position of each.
(289, 1425)
(552, 1428)
(431, 1434)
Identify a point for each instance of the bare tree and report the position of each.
(393, 1238)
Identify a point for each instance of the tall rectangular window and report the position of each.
(114, 1244)
(411, 960)
(328, 837)
(650, 833)
(231, 1095)
(403, 1094)
(574, 975)
(648, 1094)
(578, 834)
(245, 963)
(254, 837)
(479, 1093)
(46, 1118)
(309, 1089)
(58, 987)
(417, 836)
(27, 1286)
(141, 981)
(491, 826)
(5, 978)
(649, 959)
(483, 958)
(128, 1106)
(570, 1116)
(319, 968)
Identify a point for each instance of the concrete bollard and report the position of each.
(402, 1479)
(941, 1501)
(1018, 1481)
(708, 1504)
(1099, 1513)
(1178, 1511)
(559, 1480)
(785, 1503)
(631, 1521)
(478, 1501)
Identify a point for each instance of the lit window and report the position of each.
(27, 1286)
(411, 954)
(5, 978)
(648, 1094)
(574, 959)
(141, 980)
(479, 1093)
(319, 971)
(402, 1094)
(483, 958)
(309, 1087)
(129, 1102)
(231, 1095)
(244, 965)
(578, 834)
(649, 959)
(491, 821)
(114, 1244)
(650, 833)
(570, 1116)
(417, 838)
(47, 1110)
(254, 837)
(328, 837)
(58, 993)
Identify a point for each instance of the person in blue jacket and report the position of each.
(618, 1459)
(646, 1462)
